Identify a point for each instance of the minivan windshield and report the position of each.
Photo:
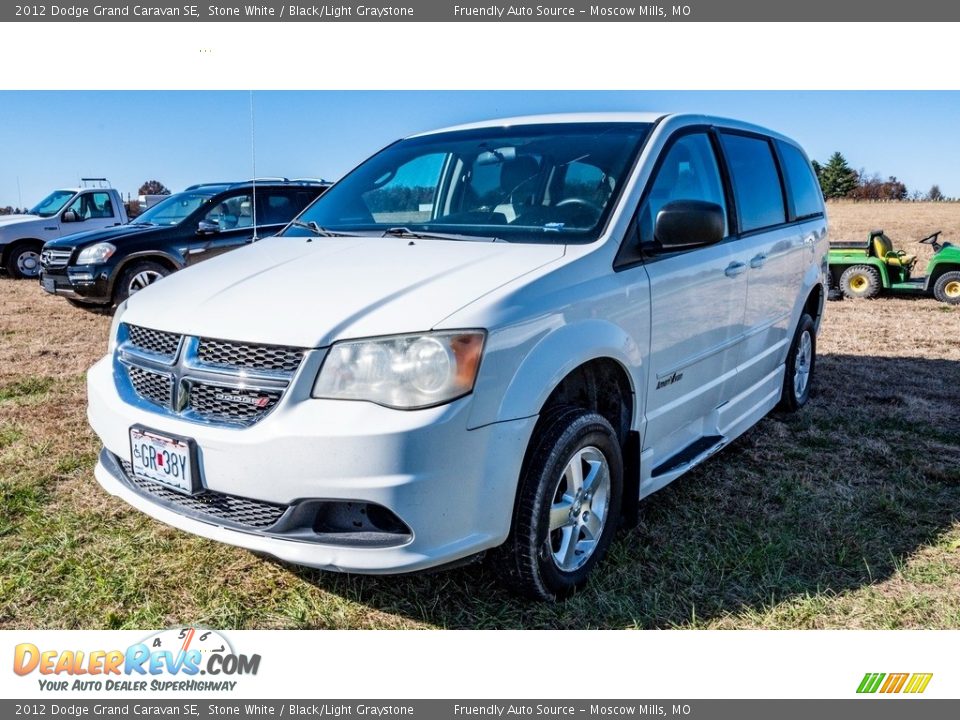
(173, 210)
(544, 183)
(52, 203)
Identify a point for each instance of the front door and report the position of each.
(697, 299)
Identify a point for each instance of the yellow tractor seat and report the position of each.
(883, 248)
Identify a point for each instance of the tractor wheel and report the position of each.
(860, 281)
(947, 288)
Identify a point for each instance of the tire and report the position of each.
(947, 288)
(136, 277)
(801, 362)
(570, 446)
(23, 260)
(860, 281)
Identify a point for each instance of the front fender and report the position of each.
(523, 365)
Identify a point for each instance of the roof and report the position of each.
(612, 117)
(554, 118)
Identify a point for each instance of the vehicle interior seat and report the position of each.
(883, 249)
(245, 218)
(518, 183)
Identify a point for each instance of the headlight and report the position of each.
(115, 327)
(403, 371)
(95, 254)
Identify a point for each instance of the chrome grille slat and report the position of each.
(52, 259)
(205, 380)
(233, 509)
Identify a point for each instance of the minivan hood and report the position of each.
(309, 293)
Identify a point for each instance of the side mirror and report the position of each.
(205, 227)
(71, 216)
(683, 224)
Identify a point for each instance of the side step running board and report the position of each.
(693, 454)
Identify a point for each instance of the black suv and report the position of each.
(102, 268)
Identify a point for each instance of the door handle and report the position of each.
(734, 269)
(757, 261)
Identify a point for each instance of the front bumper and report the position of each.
(453, 488)
(82, 283)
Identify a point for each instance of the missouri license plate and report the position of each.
(164, 459)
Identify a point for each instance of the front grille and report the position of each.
(224, 403)
(231, 509)
(154, 341)
(205, 380)
(53, 259)
(152, 386)
(255, 357)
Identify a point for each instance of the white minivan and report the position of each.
(495, 337)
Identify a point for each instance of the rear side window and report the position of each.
(803, 184)
(277, 208)
(756, 182)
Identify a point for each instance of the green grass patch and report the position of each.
(30, 387)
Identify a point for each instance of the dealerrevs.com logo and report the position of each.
(893, 683)
(180, 659)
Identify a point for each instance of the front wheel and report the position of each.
(568, 507)
(947, 288)
(136, 277)
(801, 361)
(23, 261)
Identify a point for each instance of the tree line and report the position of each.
(838, 180)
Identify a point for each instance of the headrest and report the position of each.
(514, 173)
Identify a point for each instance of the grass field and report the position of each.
(846, 515)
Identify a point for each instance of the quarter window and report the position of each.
(688, 172)
(756, 182)
(804, 186)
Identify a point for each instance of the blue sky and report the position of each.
(50, 139)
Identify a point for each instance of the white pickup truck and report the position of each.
(62, 212)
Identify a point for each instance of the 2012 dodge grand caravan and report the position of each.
(496, 337)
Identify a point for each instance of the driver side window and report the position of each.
(688, 172)
(232, 212)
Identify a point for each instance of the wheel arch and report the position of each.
(6, 249)
(161, 258)
(938, 270)
(604, 378)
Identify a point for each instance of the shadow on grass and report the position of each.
(826, 501)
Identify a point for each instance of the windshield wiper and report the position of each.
(316, 229)
(403, 232)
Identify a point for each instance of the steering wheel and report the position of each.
(932, 240)
(581, 203)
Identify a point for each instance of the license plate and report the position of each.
(49, 284)
(164, 459)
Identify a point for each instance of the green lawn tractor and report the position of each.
(863, 270)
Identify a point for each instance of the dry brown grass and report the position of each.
(844, 515)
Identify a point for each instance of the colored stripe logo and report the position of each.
(912, 683)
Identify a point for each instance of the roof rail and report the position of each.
(225, 183)
(316, 181)
(94, 182)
